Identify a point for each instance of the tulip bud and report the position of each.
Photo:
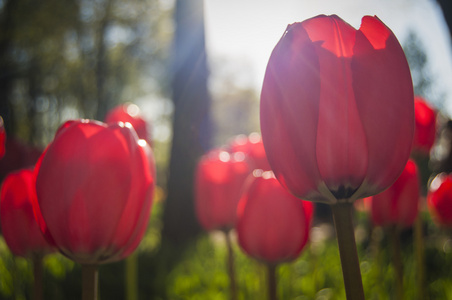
(220, 176)
(272, 224)
(95, 188)
(130, 113)
(337, 109)
(399, 204)
(425, 126)
(439, 199)
(253, 147)
(19, 227)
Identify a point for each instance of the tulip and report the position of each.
(396, 208)
(337, 118)
(19, 227)
(424, 138)
(130, 113)
(399, 204)
(219, 180)
(425, 126)
(337, 112)
(439, 199)
(272, 224)
(253, 147)
(94, 186)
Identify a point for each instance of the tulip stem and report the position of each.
(231, 268)
(375, 248)
(37, 277)
(132, 277)
(420, 253)
(343, 221)
(271, 281)
(397, 260)
(89, 282)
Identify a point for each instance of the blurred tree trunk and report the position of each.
(33, 73)
(191, 119)
(446, 7)
(446, 164)
(6, 73)
(102, 63)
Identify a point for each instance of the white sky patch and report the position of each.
(248, 30)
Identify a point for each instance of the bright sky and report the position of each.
(247, 30)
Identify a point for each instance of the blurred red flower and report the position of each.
(19, 227)
(130, 113)
(220, 176)
(399, 204)
(94, 188)
(337, 109)
(253, 147)
(272, 224)
(425, 126)
(439, 199)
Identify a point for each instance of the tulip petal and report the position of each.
(341, 147)
(332, 34)
(384, 97)
(290, 94)
(19, 227)
(135, 216)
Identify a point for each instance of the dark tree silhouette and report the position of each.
(191, 119)
(446, 7)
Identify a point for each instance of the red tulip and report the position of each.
(425, 129)
(94, 189)
(2, 138)
(439, 199)
(272, 224)
(130, 113)
(253, 147)
(219, 181)
(19, 227)
(337, 112)
(399, 204)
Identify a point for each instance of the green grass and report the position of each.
(199, 270)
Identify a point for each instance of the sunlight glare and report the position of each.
(224, 156)
(133, 110)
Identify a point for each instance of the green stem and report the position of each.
(89, 282)
(131, 277)
(343, 222)
(17, 282)
(377, 258)
(397, 261)
(231, 269)
(37, 276)
(420, 254)
(271, 281)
